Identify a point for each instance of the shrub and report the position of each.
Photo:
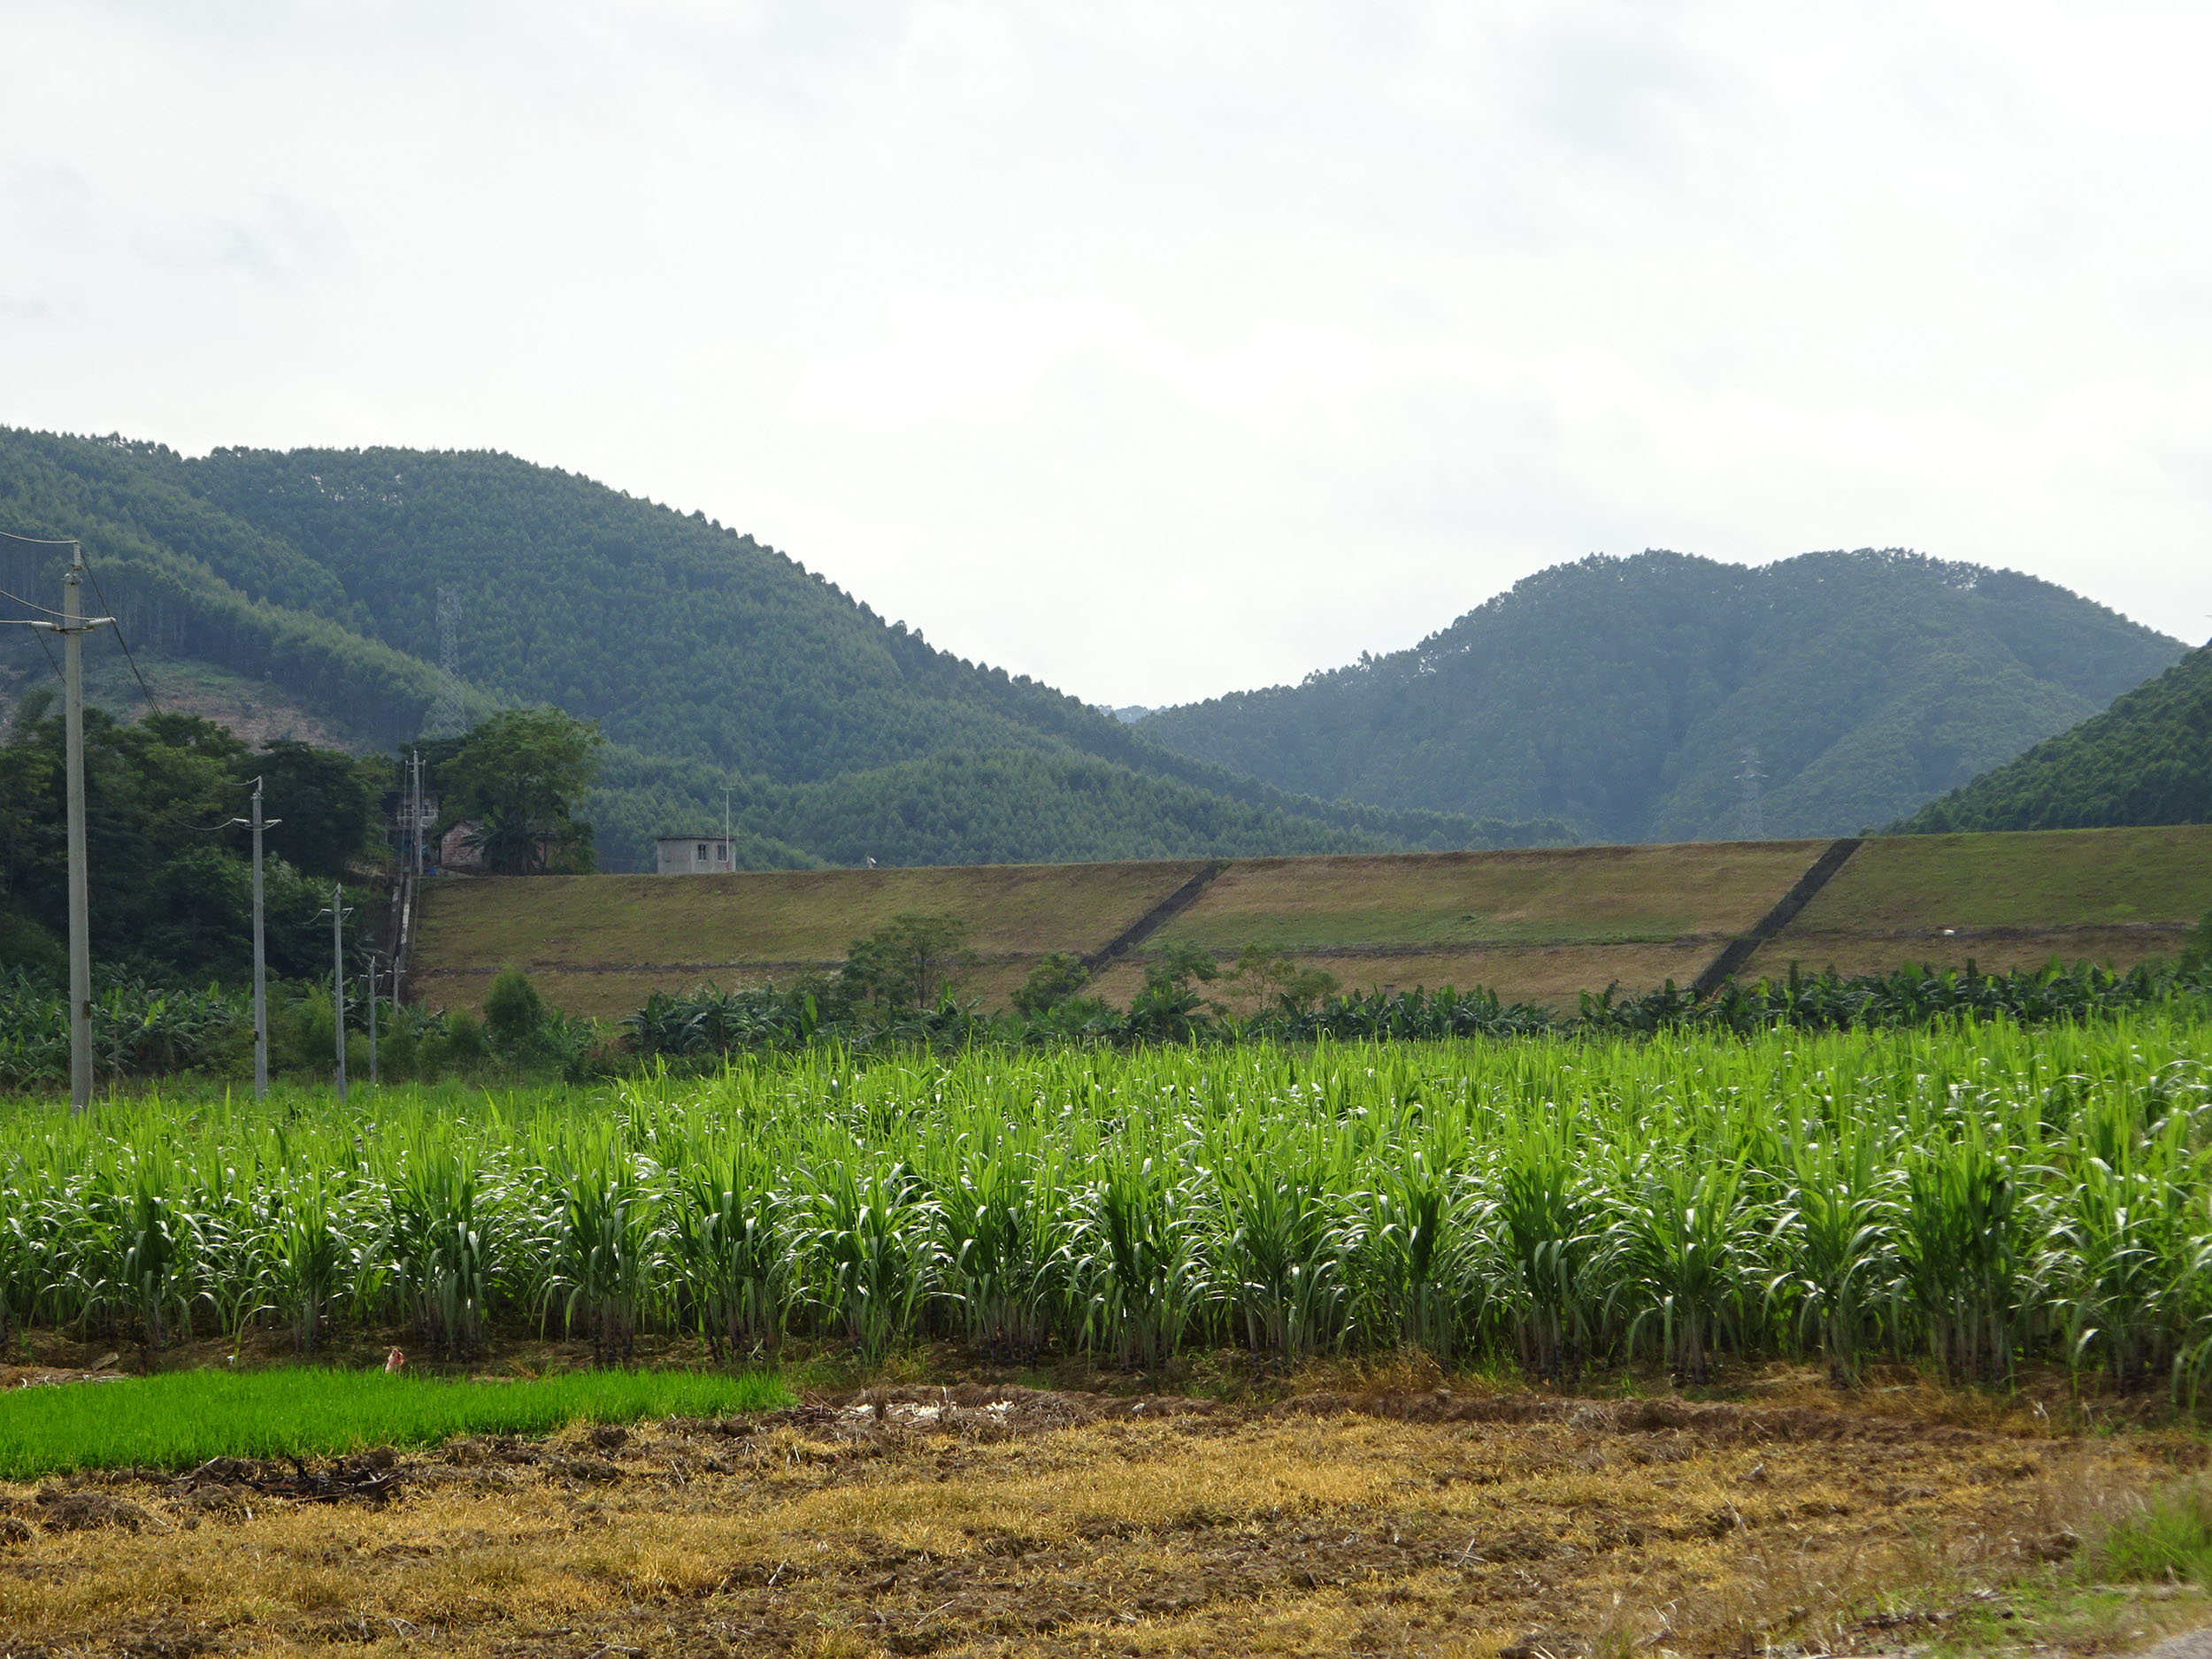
(2198, 955)
(1052, 981)
(302, 1031)
(514, 1013)
(464, 1045)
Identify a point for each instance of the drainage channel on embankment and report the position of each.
(1739, 951)
(1153, 919)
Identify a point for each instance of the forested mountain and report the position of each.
(709, 660)
(1667, 697)
(2147, 759)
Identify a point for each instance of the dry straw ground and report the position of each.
(992, 1520)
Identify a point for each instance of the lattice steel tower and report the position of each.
(1751, 818)
(449, 717)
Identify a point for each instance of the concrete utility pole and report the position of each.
(372, 1077)
(260, 956)
(260, 964)
(72, 632)
(72, 626)
(338, 978)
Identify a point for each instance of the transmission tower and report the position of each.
(448, 717)
(1751, 818)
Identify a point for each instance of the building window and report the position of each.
(703, 852)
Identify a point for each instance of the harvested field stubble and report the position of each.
(1002, 1521)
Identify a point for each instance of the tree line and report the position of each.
(170, 861)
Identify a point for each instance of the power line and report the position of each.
(114, 622)
(33, 604)
(40, 627)
(51, 663)
(37, 541)
(1751, 815)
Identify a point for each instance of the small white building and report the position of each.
(695, 855)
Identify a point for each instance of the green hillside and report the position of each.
(1625, 695)
(711, 661)
(2146, 760)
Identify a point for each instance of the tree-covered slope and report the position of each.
(2146, 760)
(189, 579)
(708, 659)
(1630, 696)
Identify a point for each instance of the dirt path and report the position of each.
(1000, 1521)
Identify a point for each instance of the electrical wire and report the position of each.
(42, 645)
(33, 604)
(243, 783)
(51, 663)
(35, 541)
(114, 622)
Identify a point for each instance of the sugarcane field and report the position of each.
(1853, 1341)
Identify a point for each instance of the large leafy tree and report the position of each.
(325, 802)
(908, 964)
(519, 774)
(171, 899)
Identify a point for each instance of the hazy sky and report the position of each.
(1159, 349)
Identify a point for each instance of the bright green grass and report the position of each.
(2169, 1539)
(183, 1419)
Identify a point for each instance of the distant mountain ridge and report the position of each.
(711, 661)
(2146, 760)
(1669, 697)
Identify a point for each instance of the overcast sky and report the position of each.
(1159, 349)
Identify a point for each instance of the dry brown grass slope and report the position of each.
(1441, 901)
(598, 944)
(1539, 925)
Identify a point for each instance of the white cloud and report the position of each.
(1159, 349)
